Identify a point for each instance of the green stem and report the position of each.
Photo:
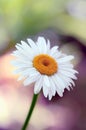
(30, 111)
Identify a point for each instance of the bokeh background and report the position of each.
(63, 22)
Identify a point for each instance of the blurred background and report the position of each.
(63, 22)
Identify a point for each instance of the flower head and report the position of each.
(48, 68)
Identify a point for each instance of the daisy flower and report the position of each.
(48, 68)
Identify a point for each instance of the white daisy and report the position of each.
(46, 67)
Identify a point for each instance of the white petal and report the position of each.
(28, 72)
(59, 88)
(31, 43)
(45, 86)
(59, 82)
(50, 96)
(18, 46)
(48, 45)
(25, 45)
(17, 71)
(53, 50)
(22, 61)
(41, 43)
(68, 81)
(65, 80)
(25, 49)
(46, 81)
(65, 59)
(21, 65)
(24, 55)
(68, 69)
(68, 74)
(48, 87)
(59, 92)
(56, 55)
(38, 85)
(31, 79)
(65, 65)
(72, 82)
(33, 46)
(53, 88)
(50, 92)
(45, 90)
(21, 50)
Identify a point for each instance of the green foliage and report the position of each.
(22, 18)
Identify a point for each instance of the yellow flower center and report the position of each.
(45, 64)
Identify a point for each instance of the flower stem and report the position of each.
(30, 111)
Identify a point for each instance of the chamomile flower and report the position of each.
(48, 68)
